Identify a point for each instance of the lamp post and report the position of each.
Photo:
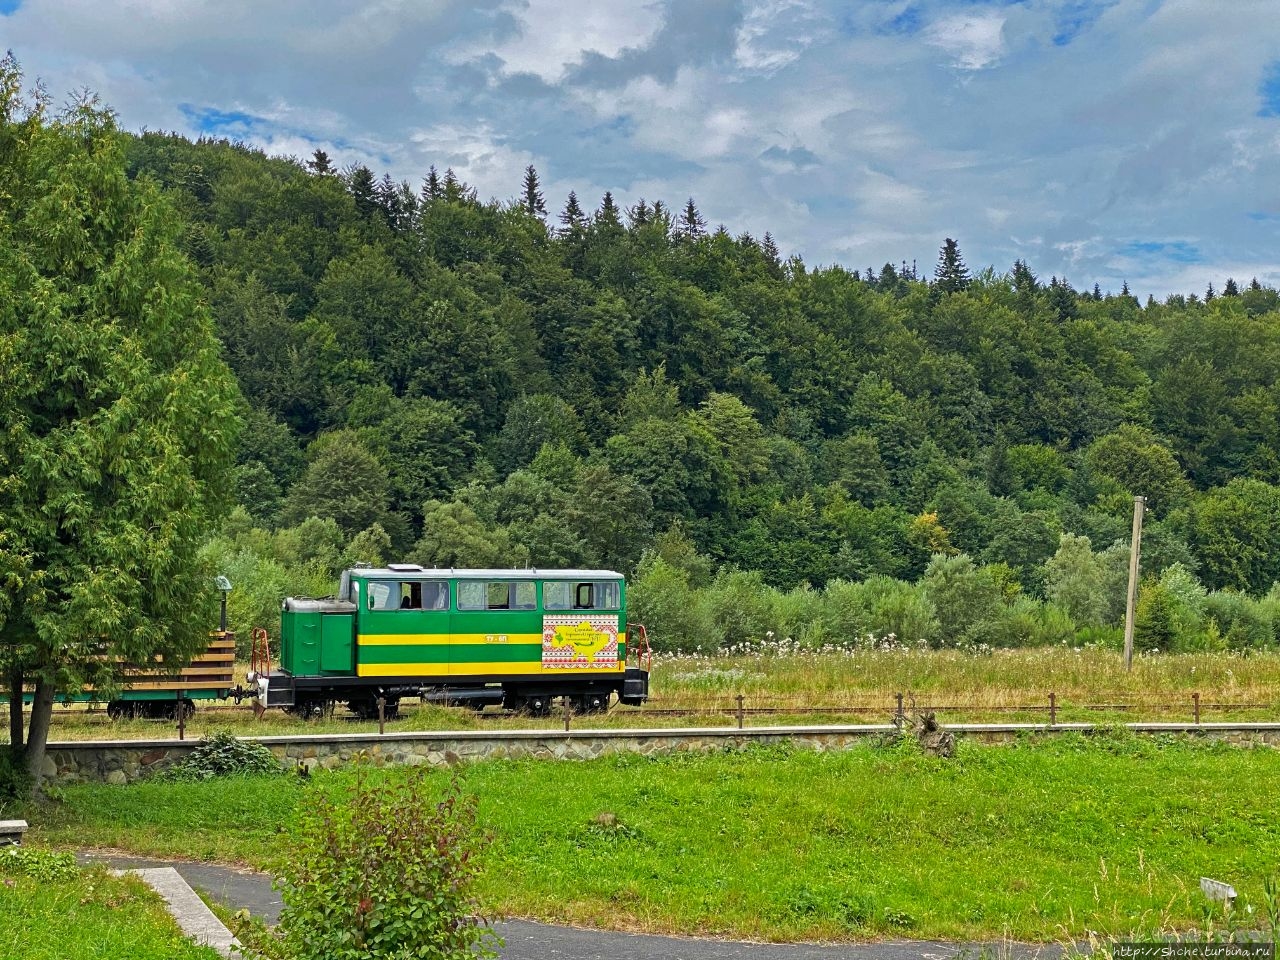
(225, 586)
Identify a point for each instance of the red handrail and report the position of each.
(643, 652)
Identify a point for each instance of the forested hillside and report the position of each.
(430, 377)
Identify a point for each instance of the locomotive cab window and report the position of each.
(596, 595)
(383, 596)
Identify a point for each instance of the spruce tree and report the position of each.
(1231, 290)
(607, 215)
(320, 165)
(692, 225)
(533, 203)
(951, 275)
(572, 217)
(431, 186)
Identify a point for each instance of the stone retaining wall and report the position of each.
(121, 761)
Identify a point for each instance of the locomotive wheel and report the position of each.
(538, 704)
(593, 702)
(366, 708)
(308, 709)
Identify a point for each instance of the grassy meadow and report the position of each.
(89, 913)
(1045, 840)
(841, 685)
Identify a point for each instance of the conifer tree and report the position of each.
(431, 186)
(770, 250)
(364, 190)
(320, 165)
(607, 215)
(1231, 290)
(640, 214)
(533, 203)
(692, 225)
(951, 275)
(572, 218)
(117, 450)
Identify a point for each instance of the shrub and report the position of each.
(15, 781)
(376, 871)
(222, 755)
(46, 866)
(675, 615)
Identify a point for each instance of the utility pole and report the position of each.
(1135, 548)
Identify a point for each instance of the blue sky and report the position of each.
(1107, 141)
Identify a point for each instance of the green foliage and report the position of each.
(46, 866)
(378, 870)
(119, 413)
(1076, 580)
(15, 781)
(965, 597)
(1142, 465)
(674, 614)
(436, 354)
(1155, 623)
(222, 755)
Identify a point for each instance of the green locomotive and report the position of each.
(519, 638)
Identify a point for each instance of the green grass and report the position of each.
(94, 915)
(1042, 840)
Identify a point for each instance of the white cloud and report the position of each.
(555, 34)
(1065, 134)
(974, 41)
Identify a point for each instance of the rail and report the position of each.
(884, 709)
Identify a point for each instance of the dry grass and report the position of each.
(780, 684)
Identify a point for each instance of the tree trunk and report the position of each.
(15, 709)
(38, 735)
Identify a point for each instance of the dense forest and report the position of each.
(766, 448)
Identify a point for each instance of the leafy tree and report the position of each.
(1136, 459)
(454, 536)
(1235, 533)
(964, 596)
(345, 483)
(119, 414)
(532, 421)
(1154, 623)
(1075, 578)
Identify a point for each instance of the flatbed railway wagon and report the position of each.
(159, 692)
(519, 638)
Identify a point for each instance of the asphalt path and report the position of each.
(526, 940)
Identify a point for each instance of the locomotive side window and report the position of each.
(556, 595)
(498, 596)
(411, 596)
(584, 594)
(607, 595)
(471, 595)
(435, 595)
(523, 595)
(381, 594)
